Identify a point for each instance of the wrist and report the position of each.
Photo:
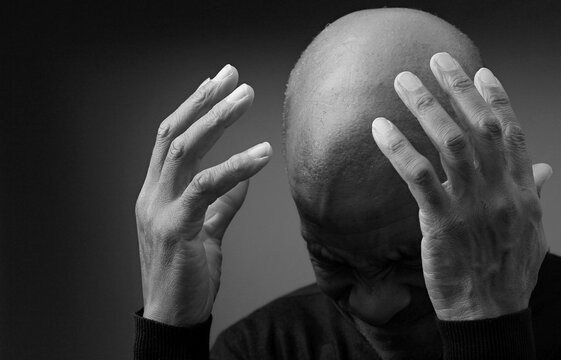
(173, 318)
(468, 311)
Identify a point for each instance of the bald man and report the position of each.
(418, 204)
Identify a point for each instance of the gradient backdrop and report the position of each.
(88, 85)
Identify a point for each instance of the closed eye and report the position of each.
(374, 273)
(328, 265)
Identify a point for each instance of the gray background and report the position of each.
(88, 87)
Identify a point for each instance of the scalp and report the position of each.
(343, 81)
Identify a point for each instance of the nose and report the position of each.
(378, 303)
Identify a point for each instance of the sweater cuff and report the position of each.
(505, 337)
(155, 340)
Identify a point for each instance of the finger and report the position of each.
(444, 133)
(413, 168)
(212, 183)
(206, 96)
(542, 173)
(188, 148)
(494, 94)
(222, 211)
(486, 130)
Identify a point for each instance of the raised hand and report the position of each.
(483, 240)
(182, 213)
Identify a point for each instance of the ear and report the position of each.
(542, 173)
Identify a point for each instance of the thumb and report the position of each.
(222, 211)
(542, 173)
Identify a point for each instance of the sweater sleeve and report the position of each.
(506, 337)
(154, 340)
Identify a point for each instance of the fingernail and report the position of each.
(409, 81)
(487, 77)
(203, 83)
(382, 126)
(224, 73)
(445, 61)
(260, 150)
(238, 94)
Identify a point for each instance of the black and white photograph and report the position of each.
(281, 180)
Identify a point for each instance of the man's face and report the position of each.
(374, 275)
(358, 217)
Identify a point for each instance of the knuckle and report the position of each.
(424, 103)
(491, 127)
(200, 97)
(171, 121)
(397, 146)
(420, 174)
(201, 183)
(498, 99)
(516, 137)
(535, 209)
(163, 129)
(455, 142)
(460, 84)
(506, 212)
(235, 166)
(176, 148)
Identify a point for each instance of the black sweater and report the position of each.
(306, 325)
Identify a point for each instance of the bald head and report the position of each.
(341, 83)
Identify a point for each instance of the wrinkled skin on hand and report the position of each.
(477, 260)
(182, 213)
(483, 240)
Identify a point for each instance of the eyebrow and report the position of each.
(323, 252)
